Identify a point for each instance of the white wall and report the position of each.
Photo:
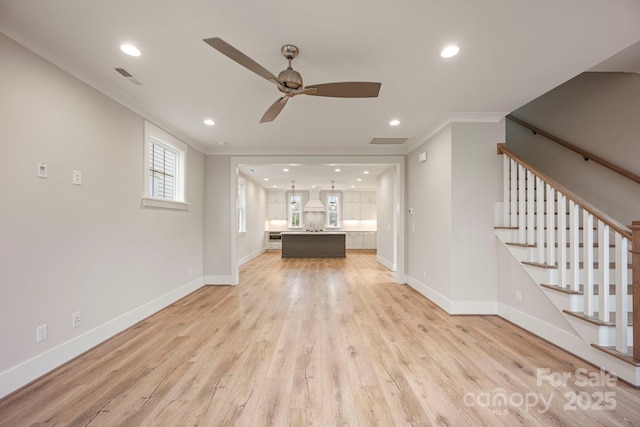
(90, 248)
(252, 243)
(429, 187)
(451, 248)
(386, 218)
(217, 223)
(599, 113)
(476, 187)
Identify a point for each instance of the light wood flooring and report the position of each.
(321, 343)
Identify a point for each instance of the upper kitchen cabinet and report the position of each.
(359, 205)
(368, 206)
(276, 205)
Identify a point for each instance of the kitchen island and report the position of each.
(314, 244)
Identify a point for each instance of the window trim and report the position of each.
(153, 132)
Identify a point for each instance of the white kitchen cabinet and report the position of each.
(369, 240)
(354, 240)
(368, 197)
(359, 205)
(351, 197)
(351, 210)
(276, 205)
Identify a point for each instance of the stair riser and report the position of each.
(601, 335)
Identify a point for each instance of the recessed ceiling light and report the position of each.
(359, 179)
(222, 143)
(274, 186)
(285, 170)
(337, 170)
(366, 172)
(209, 122)
(265, 179)
(314, 186)
(394, 122)
(130, 49)
(450, 51)
(353, 186)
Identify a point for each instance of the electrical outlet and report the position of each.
(518, 296)
(77, 177)
(75, 319)
(41, 333)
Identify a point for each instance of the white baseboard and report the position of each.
(249, 257)
(24, 373)
(218, 280)
(453, 307)
(387, 264)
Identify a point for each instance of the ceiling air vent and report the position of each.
(129, 76)
(388, 141)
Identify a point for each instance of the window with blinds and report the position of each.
(165, 169)
(162, 170)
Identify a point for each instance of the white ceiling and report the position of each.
(511, 51)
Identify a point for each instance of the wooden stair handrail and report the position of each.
(587, 155)
(612, 223)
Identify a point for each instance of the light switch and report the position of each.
(42, 170)
(77, 177)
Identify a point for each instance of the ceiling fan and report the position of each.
(289, 81)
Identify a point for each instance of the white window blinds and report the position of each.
(162, 170)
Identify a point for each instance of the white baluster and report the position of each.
(622, 283)
(551, 226)
(522, 207)
(513, 199)
(587, 261)
(506, 203)
(531, 236)
(562, 240)
(603, 276)
(574, 245)
(540, 220)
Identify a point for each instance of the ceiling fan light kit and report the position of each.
(290, 82)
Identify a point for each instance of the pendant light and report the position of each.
(293, 202)
(332, 202)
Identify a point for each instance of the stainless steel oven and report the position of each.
(275, 236)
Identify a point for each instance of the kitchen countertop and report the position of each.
(314, 232)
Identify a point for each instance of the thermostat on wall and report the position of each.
(422, 157)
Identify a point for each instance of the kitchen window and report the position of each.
(332, 211)
(295, 212)
(165, 169)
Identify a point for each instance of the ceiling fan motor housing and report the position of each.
(290, 78)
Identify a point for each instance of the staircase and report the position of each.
(579, 257)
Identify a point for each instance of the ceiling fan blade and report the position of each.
(242, 59)
(273, 111)
(346, 89)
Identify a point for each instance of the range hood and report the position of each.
(314, 204)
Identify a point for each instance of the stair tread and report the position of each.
(596, 289)
(625, 357)
(612, 265)
(596, 321)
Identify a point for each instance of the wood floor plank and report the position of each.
(313, 342)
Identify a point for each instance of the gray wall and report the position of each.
(387, 205)
(600, 113)
(217, 224)
(89, 248)
(252, 243)
(451, 247)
